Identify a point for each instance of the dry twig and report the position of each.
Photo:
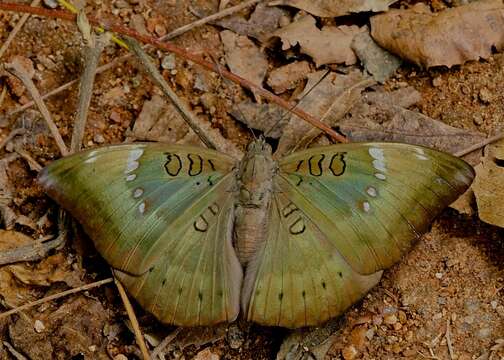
(479, 145)
(56, 296)
(163, 344)
(134, 322)
(448, 339)
(31, 252)
(92, 54)
(17, 70)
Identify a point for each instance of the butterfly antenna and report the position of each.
(289, 111)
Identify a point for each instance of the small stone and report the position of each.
(469, 319)
(439, 275)
(39, 326)
(485, 95)
(377, 320)
(494, 304)
(402, 317)
(51, 4)
(390, 319)
(370, 333)
(206, 354)
(115, 117)
(437, 81)
(120, 357)
(92, 348)
(160, 29)
(437, 316)
(168, 62)
(478, 119)
(349, 352)
(98, 138)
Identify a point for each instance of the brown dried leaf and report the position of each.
(243, 57)
(489, 185)
(262, 22)
(383, 121)
(159, 121)
(266, 117)
(449, 37)
(331, 45)
(332, 8)
(326, 96)
(377, 61)
(288, 76)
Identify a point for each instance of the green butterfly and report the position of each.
(195, 235)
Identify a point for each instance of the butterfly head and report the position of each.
(258, 147)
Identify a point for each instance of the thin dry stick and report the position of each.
(16, 29)
(56, 296)
(479, 145)
(163, 344)
(32, 251)
(92, 54)
(177, 32)
(17, 70)
(448, 339)
(134, 322)
(161, 82)
(34, 165)
(14, 352)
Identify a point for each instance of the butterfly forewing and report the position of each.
(162, 216)
(374, 197)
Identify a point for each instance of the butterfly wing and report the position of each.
(161, 216)
(339, 215)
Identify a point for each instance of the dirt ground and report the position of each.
(444, 300)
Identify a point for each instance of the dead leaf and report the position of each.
(382, 121)
(265, 117)
(288, 76)
(159, 121)
(333, 8)
(464, 203)
(377, 61)
(488, 186)
(331, 45)
(52, 269)
(449, 37)
(324, 97)
(243, 57)
(261, 23)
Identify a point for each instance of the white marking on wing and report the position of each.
(371, 191)
(380, 176)
(141, 207)
(137, 192)
(366, 206)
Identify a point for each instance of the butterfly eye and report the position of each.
(245, 194)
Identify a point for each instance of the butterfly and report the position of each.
(198, 237)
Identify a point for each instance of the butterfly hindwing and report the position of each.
(339, 215)
(162, 218)
(298, 278)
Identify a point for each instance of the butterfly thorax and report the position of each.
(255, 183)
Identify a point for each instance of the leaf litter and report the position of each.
(449, 276)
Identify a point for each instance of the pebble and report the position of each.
(120, 357)
(485, 95)
(38, 326)
(168, 62)
(390, 319)
(98, 138)
(437, 81)
(349, 352)
(206, 354)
